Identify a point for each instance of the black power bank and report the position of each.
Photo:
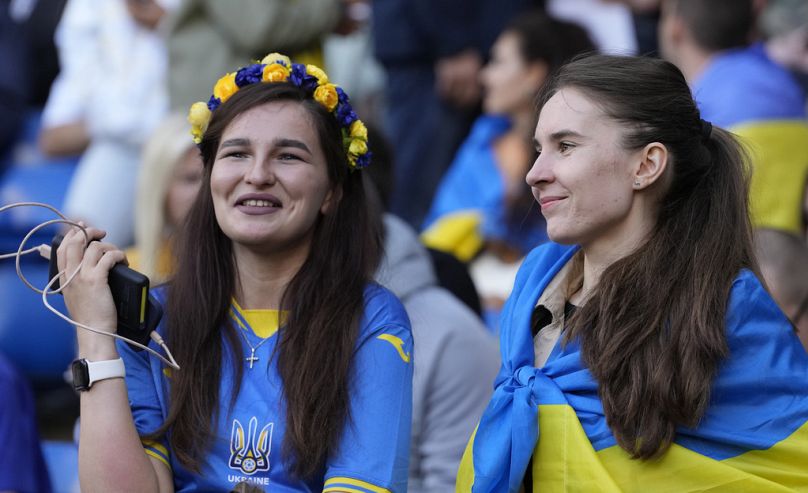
(138, 311)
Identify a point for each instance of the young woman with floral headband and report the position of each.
(296, 370)
(640, 352)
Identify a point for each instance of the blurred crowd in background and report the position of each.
(93, 98)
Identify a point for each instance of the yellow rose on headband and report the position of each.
(275, 72)
(199, 117)
(327, 96)
(358, 147)
(358, 130)
(277, 58)
(317, 72)
(225, 87)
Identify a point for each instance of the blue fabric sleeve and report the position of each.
(374, 451)
(144, 399)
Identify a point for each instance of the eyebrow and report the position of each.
(235, 143)
(291, 143)
(281, 142)
(560, 135)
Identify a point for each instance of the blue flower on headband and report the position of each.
(364, 160)
(301, 79)
(249, 75)
(312, 80)
(343, 97)
(214, 103)
(345, 114)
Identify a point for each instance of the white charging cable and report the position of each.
(45, 251)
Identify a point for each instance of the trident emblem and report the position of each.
(250, 454)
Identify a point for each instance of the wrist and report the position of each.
(96, 347)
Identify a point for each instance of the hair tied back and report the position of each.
(706, 130)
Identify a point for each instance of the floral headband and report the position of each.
(279, 68)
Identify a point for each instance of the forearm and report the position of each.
(64, 140)
(111, 456)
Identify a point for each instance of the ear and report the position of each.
(652, 163)
(331, 199)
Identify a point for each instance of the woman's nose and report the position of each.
(261, 172)
(541, 171)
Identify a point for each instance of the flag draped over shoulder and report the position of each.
(753, 437)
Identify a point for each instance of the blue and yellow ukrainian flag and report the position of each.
(753, 437)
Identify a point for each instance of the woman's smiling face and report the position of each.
(582, 178)
(269, 181)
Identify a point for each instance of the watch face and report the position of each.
(81, 375)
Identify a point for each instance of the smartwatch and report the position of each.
(86, 373)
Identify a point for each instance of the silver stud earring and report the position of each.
(636, 183)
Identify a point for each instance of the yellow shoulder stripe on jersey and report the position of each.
(398, 344)
(338, 483)
(156, 450)
(152, 453)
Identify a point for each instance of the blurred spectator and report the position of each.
(738, 87)
(108, 97)
(432, 51)
(168, 182)
(783, 260)
(456, 358)
(645, 15)
(483, 209)
(22, 467)
(608, 22)
(206, 38)
(452, 274)
(784, 23)
(26, 35)
(12, 77)
(349, 60)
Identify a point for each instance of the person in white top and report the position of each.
(109, 95)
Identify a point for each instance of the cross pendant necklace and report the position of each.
(252, 358)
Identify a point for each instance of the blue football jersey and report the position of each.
(246, 447)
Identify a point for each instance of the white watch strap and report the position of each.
(101, 370)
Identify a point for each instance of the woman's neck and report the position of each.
(262, 278)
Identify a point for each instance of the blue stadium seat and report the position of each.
(38, 342)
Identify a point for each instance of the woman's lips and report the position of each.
(258, 204)
(548, 202)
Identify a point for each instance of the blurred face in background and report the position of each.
(183, 187)
(509, 81)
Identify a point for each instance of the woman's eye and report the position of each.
(286, 156)
(235, 154)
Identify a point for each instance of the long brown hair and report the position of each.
(325, 301)
(652, 331)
